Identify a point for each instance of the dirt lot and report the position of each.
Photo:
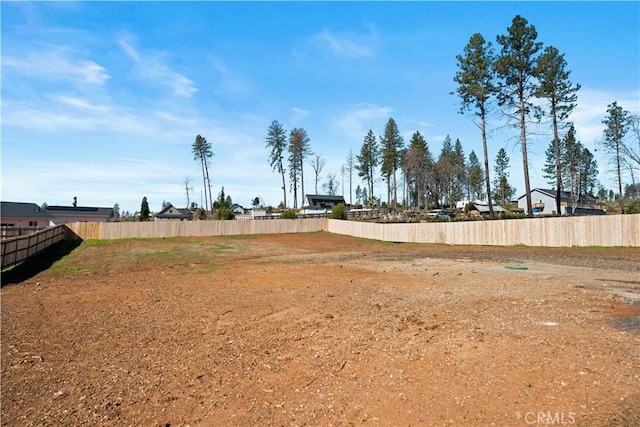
(321, 329)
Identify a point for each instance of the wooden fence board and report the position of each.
(17, 249)
(607, 230)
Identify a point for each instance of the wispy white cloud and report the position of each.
(56, 62)
(79, 103)
(299, 114)
(591, 109)
(228, 82)
(347, 46)
(129, 50)
(151, 67)
(356, 121)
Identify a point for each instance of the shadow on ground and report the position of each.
(38, 263)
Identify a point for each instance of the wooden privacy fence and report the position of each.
(159, 229)
(14, 250)
(607, 230)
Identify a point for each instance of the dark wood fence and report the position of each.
(15, 250)
(6, 232)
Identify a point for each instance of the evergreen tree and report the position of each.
(589, 166)
(444, 172)
(350, 165)
(503, 190)
(552, 163)
(476, 87)
(276, 141)
(144, 210)
(391, 144)
(556, 88)
(368, 160)
(476, 177)
(616, 122)
(202, 151)
(299, 149)
(515, 66)
(418, 167)
(459, 173)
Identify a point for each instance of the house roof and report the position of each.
(237, 208)
(564, 195)
(80, 210)
(320, 201)
(173, 212)
(485, 208)
(23, 210)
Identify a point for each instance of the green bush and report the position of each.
(339, 212)
(224, 213)
(633, 208)
(289, 214)
(201, 214)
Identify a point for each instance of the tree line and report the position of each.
(521, 84)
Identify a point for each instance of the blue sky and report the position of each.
(103, 100)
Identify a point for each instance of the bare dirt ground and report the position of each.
(321, 329)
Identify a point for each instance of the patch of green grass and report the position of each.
(207, 269)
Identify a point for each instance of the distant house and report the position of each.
(321, 203)
(17, 214)
(544, 203)
(67, 214)
(237, 209)
(484, 209)
(172, 213)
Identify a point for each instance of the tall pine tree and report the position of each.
(276, 141)
(367, 160)
(475, 80)
(555, 87)
(515, 66)
(391, 144)
(475, 177)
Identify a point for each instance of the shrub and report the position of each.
(201, 214)
(289, 214)
(633, 208)
(224, 213)
(339, 212)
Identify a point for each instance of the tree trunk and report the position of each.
(302, 180)
(556, 146)
(395, 190)
(487, 181)
(206, 167)
(619, 176)
(204, 183)
(525, 162)
(284, 188)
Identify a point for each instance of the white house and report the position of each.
(544, 203)
(317, 203)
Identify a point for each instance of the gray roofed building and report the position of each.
(171, 212)
(322, 202)
(18, 214)
(544, 203)
(66, 214)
